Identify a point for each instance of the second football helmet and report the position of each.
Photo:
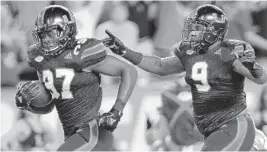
(55, 28)
(206, 25)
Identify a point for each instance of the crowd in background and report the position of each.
(151, 27)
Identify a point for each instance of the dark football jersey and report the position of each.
(217, 89)
(77, 93)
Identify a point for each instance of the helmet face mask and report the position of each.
(49, 39)
(205, 26)
(55, 29)
(193, 32)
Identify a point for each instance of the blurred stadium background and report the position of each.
(152, 27)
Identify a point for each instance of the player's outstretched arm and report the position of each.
(246, 65)
(149, 63)
(161, 66)
(241, 69)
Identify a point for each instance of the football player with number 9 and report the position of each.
(70, 69)
(215, 69)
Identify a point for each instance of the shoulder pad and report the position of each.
(92, 52)
(31, 50)
(236, 48)
(184, 46)
(176, 46)
(34, 55)
(239, 46)
(180, 49)
(91, 47)
(231, 43)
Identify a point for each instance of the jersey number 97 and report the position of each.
(67, 74)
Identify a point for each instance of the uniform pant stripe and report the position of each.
(93, 138)
(242, 127)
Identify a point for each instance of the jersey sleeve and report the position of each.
(93, 52)
(30, 55)
(176, 50)
(231, 49)
(240, 47)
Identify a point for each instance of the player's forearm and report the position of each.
(148, 63)
(263, 78)
(258, 73)
(128, 81)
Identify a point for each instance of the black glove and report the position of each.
(110, 120)
(247, 57)
(26, 92)
(114, 44)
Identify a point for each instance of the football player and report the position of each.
(174, 128)
(216, 69)
(70, 69)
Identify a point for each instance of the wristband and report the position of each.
(119, 105)
(132, 56)
(116, 112)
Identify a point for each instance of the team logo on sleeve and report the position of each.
(68, 56)
(189, 52)
(39, 58)
(218, 52)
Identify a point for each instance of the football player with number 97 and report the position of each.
(70, 69)
(215, 69)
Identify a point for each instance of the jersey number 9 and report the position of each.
(200, 74)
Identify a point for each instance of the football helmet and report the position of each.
(55, 29)
(206, 25)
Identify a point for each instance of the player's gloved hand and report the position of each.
(114, 44)
(26, 92)
(110, 120)
(248, 59)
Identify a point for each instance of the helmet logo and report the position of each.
(65, 18)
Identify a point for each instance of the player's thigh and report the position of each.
(105, 141)
(85, 139)
(236, 135)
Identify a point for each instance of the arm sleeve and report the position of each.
(176, 50)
